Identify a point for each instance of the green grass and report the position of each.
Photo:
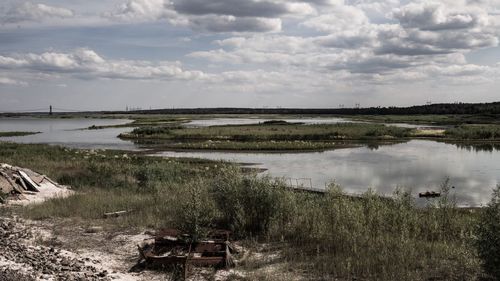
(330, 236)
(287, 132)
(17, 134)
(430, 119)
(270, 146)
(273, 136)
(474, 132)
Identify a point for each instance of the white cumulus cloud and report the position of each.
(29, 11)
(87, 64)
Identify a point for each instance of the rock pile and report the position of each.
(20, 260)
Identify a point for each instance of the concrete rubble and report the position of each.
(22, 260)
(23, 186)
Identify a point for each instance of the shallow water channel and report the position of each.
(305, 120)
(417, 165)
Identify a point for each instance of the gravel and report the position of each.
(21, 260)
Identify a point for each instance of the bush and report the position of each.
(488, 236)
(247, 204)
(196, 210)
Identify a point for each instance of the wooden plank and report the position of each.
(13, 184)
(29, 183)
(115, 214)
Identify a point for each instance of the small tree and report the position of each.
(488, 236)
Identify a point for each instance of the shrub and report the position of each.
(488, 236)
(196, 210)
(247, 204)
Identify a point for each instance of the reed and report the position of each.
(331, 236)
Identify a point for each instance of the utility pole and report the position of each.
(50, 110)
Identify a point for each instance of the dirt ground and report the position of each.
(67, 250)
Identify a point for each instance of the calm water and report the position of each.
(247, 121)
(416, 165)
(305, 120)
(68, 132)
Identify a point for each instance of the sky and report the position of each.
(110, 55)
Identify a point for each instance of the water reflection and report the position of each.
(486, 147)
(304, 120)
(248, 121)
(416, 165)
(474, 169)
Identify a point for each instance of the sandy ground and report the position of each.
(115, 253)
(47, 190)
(66, 249)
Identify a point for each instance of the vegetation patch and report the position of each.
(329, 236)
(431, 119)
(271, 146)
(280, 132)
(474, 132)
(17, 134)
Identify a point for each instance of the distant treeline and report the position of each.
(443, 108)
(439, 108)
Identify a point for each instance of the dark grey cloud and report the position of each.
(237, 8)
(346, 41)
(318, 2)
(402, 49)
(209, 16)
(235, 24)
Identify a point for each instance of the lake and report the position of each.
(305, 120)
(417, 165)
(68, 132)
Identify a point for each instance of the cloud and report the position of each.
(237, 8)
(339, 18)
(432, 28)
(28, 11)
(212, 16)
(242, 8)
(11, 82)
(87, 64)
(372, 64)
(352, 39)
(142, 10)
(436, 16)
(215, 23)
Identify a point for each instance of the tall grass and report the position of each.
(474, 132)
(280, 132)
(324, 236)
(488, 237)
(16, 134)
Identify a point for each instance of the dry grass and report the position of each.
(331, 236)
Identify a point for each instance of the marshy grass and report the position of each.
(474, 132)
(330, 236)
(431, 119)
(271, 146)
(17, 134)
(276, 132)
